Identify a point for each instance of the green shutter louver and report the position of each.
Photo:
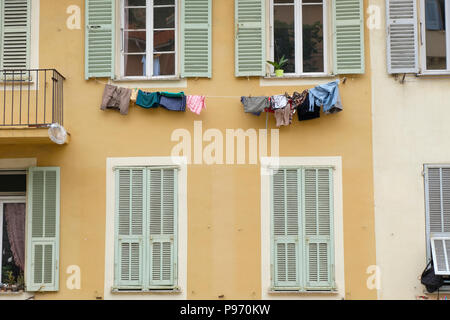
(42, 260)
(130, 215)
(196, 38)
(318, 231)
(250, 43)
(348, 34)
(100, 38)
(162, 227)
(285, 229)
(15, 34)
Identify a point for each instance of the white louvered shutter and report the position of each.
(318, 230)
(100, 38)
(438, 195)
(250, 43)
(162, 195)
(42, 253)
(441, 255)
(402, 42)
(15, 29)
(348, 36)
(130, 215)
(285, 229)
(196, 38)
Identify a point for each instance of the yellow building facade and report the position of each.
(224, 209)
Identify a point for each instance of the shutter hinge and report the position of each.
(423, 173)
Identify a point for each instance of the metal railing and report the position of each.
(31, 98)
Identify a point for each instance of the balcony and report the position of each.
(30, 101)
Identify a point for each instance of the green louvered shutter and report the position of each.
(196, 38)
(42, 252)
(163, 227)
(250, 46)
(318, 228)
(285, 229)
(15, 27)
(348, 34)
(130, 215)
(100, 38)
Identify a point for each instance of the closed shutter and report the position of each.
(318, 231)
(401, 19)
(15, 29)
(196, 38)
(250, 59)
(438, 199)
(100, 38)
(348, 34)
(130, 215)
(162, 226)
(285, 229)
(42, 259)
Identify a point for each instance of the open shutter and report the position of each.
(401, 19)
(318, 231)
(196, 38)
(15, 34)
(130, 213)
(348, 34)
(285, 229)
(100, 38)
(437, 185)
(163, 227)
(441, 255)
(42, 253)
(250, 57)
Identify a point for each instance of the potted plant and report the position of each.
(279, 72)
(20, 282)
(11, 281)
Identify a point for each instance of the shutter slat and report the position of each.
(43, 230)
(250, 35)
(196, 38)
(15, 34)
(348, 36)
(402, 43)
(100, 38)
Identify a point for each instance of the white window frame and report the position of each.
(299, 38)
(267, 165)
(423, 41)
(3, 200)
(149, 43)
(181, 293)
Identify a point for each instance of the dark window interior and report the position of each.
(13, 182)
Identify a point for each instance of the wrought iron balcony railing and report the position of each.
(31, 98)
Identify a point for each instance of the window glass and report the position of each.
(313, 54)
(284, 35)
(436, 34)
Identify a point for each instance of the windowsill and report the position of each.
(286, 292)
(142, 79)
(125, 291)
(436, 73)
(11, 293)
(300, 76)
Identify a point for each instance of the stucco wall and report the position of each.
(223, 200)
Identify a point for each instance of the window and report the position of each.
(148, 38)
(146, 216)
(302, 236)
(298, 28)
(437, 196)
(436, 42)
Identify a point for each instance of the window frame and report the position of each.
(11, 199)
(298, 5)
(149, 42)
(423, 41)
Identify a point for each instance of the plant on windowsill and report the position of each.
(20, 282)
(279, 72)
(11, 282)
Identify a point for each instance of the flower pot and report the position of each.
(279, 73)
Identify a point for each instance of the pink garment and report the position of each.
(195, 103)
